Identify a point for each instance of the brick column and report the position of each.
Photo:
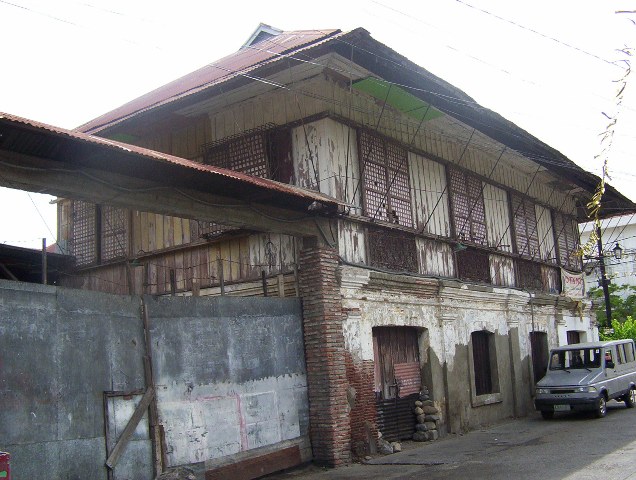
(325, 355)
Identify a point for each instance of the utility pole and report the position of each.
(604, 280)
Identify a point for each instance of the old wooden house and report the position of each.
(441, 269)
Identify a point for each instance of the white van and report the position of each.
(584, 376)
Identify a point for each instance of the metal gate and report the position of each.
(397, 380)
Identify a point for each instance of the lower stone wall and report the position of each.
(448, 312)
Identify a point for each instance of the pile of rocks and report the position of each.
(428, 418)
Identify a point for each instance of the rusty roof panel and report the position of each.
(214, 73)
(262, 183)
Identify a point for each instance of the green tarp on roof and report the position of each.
(398, 98)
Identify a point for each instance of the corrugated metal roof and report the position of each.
(214, 73)
(119, 147)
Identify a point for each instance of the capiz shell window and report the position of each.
(385, 172)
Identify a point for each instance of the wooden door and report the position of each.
(397, 380)
(539, 350)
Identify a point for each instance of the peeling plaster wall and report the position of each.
(230, 374)
(450, 311)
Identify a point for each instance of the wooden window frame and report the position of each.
(102, 248)
(525, 228)
(386, 183)
(477, 368)
(567, 240)
(468, 211)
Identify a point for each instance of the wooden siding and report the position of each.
(502, 270)
(435, 258)
(328, 150)
(352, 242)
(497, 218)
(429, 195)
(545, 234)
(551, 278)
(442, 137)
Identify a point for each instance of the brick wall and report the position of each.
(364, 429)
(325, 354)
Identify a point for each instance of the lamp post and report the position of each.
(604, 280)
(618, 253)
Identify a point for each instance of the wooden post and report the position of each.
(281, 285)
(158, 450)
(44, 266)
(219, 263)
(296, 285)
(264, 282)
(196, 289)
(173, 283)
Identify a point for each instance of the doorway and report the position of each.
(539, 351)
(397, 378)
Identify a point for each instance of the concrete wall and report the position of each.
(60, 350)
(230, 377)
(230, 374)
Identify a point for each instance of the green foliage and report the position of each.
(626, 329)
(623, 306)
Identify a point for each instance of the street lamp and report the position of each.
(618, 252)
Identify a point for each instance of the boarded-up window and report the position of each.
(385, 172)
(525, 224)
(566, 232)
(114, 237)
(83, 241)
(529, 276)
(484, 362)
(392, 250)
(473, 265)
(467, 204)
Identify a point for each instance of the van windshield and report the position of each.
(580, 358)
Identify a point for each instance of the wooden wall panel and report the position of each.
(352, 242)
(545, 233)
(497, 218)
(502, 271)
(435, 258)
(429, 195)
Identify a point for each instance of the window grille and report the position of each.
(83, 244)
(530, 276)
(525, 224)
(246, 154)
(387, 190)
(115, 232)
(473, 265)
(392, 250)
(467, 203)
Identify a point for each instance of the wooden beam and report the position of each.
(123, 440)
(8, 272)
(102, 187)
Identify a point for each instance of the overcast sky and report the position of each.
(548, 66)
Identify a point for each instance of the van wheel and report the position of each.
(547, 414)
(601, 407)
(630, 398)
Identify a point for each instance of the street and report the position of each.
(576, 446)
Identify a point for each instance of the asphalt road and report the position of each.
(576, 446)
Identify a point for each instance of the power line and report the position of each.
(548, 37)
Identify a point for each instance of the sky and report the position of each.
(551, 67)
